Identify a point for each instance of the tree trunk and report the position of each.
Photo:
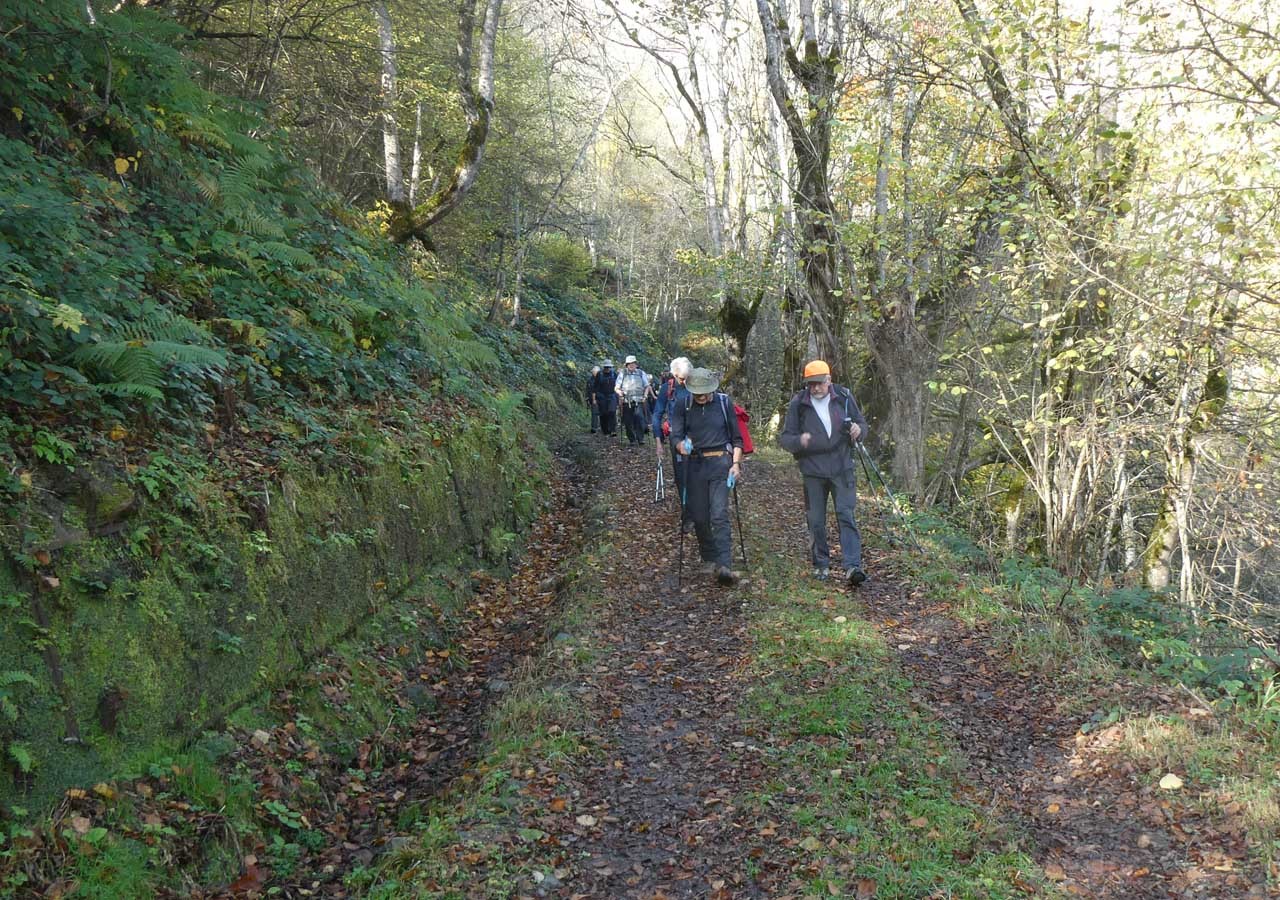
(1172, 528)
(816, 71)
(904, 359)
(415, 172)
(390, 133)
(475, 90)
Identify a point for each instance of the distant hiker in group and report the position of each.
(705, 432)
(670, 395)
(591, 400)
(822, 426)
(604, 398)
(633, 389)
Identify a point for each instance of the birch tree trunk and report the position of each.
(390, 133)
(475, 90)
(415, 172)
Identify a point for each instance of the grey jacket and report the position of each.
(825, 457)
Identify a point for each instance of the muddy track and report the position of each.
(673, 751)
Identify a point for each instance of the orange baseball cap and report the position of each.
(816, 371)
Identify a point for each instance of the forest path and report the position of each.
(677, 785)
(600, 730)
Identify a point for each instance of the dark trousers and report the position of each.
(843, 490)
(707, 504)
(607, 407)
(633, 421)
(595, 418)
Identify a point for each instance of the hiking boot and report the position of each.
(822, 573)
(726, 576)
(856, 577)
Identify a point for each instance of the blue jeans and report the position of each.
(843, 490)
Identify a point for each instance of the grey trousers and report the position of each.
(707, 504)
(843, 490)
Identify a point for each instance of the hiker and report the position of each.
(705, 432)
(591, 400)
(606, 401)
(672, 394)
(632, 389)
(822, 426)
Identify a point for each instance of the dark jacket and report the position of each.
(825, 457)
(602, 387)
(710, 426)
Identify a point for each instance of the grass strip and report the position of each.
(872, 787)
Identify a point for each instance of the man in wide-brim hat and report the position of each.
(705, 431)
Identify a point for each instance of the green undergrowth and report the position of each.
(234, 417)
(874, 787)
(481, 835)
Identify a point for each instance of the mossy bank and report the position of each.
(159, 626)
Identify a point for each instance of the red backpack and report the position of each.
(743, 418)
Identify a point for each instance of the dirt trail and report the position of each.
(1100, 830)
(675, 751)
(666, 823)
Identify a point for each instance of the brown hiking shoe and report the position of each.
(726, 576)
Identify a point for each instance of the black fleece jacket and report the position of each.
(825, 457)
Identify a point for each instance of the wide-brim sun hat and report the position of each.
(629, 360)
(606, 364)
(702, 381)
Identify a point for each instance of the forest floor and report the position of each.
(599, 729)
(790, 737)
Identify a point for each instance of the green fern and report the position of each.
(129, 391)
(8, 707)
(22, 757)
(134, 358)
(286, 253)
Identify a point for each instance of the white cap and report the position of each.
(629, 359)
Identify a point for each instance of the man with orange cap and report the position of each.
(823, 423)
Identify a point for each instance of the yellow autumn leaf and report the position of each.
(17, 112)
(122, 165)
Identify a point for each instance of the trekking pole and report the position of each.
(680, 576)
(897, 509)
(737, 511)
(660, 486)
